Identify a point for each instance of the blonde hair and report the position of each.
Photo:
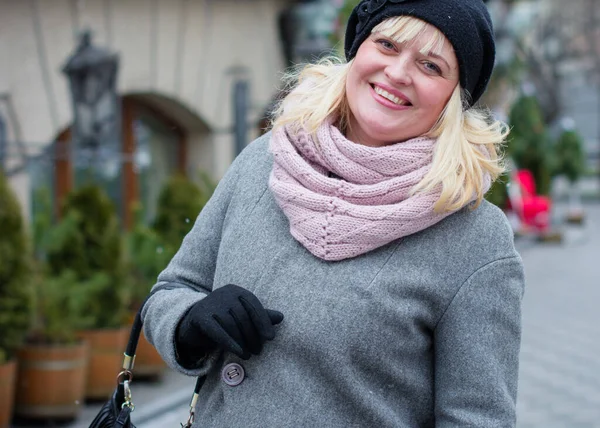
(469, 140)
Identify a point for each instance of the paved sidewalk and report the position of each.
(559, 383)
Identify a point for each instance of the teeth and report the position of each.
(387, 95)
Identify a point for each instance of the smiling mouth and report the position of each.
(390, 97)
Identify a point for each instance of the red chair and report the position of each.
(532, 209)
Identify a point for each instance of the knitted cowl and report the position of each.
(344, 199)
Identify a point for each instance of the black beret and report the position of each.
(465, 23)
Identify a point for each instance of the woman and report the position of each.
(360, 219)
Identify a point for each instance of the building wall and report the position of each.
(182, 50)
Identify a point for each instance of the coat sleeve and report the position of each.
(477, 344)
(189, 276)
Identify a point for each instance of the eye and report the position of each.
(386, 44)
(430, 66)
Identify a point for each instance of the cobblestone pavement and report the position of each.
(559, 385)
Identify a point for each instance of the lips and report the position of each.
(391, 94)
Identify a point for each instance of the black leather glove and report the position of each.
(230, 317)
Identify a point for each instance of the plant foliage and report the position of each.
(498, 193)
(146, 256)
(15, 278)
(179, 203)
(148, 249)
(84, 251)
(528, 142)
(570, 158)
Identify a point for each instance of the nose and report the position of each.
(398, 71)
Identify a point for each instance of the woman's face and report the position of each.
(395, 92)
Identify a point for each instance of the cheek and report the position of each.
(364, 64)
(353, 81)
(359, 75)
(436, 96)
(350, 89)
(364, 68)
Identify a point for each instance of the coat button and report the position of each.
(233, 374)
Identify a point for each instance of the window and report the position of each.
(132, 169)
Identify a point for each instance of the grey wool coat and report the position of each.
(422, 332)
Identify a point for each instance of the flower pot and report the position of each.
(576, 217)
(106, 360)
(51, 381)
(149, 364)
(7, 391)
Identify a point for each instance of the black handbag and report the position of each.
(116, 412)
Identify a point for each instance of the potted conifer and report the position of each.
(87, 247)
(179, 203)
(529, 144)
(570, 162)
(52, 361)
(15, 294)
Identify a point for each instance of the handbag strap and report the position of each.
(134, 335)
(129, 360)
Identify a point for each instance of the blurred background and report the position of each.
(119, 117)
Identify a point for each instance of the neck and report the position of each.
(356, 135)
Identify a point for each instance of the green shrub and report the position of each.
(498, 193)
(146, 255)
(64, 304)
(570, 159)
(528, 142)
(53, 323)
(148, 249)
(15, 279)
(85, 250)
(41, 221)
(179, 203)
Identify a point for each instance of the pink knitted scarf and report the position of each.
(366, 206)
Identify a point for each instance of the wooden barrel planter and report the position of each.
(106, 359)
(7, 391)
(51, 381)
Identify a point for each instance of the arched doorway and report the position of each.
(154, 146)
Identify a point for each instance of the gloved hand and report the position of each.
(230, 317)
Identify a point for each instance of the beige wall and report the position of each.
(179, 49)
